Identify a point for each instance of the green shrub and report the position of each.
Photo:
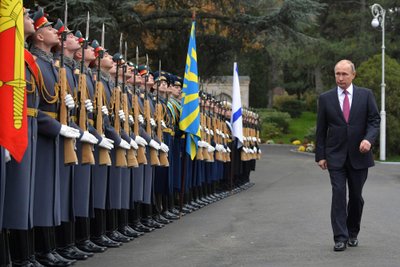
(311, 135)
(310, 99)
(280, 119)
(270, 131)
(293, 107)
(289, 104)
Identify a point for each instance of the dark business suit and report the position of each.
(338, 142)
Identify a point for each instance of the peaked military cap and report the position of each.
(39, 19)
(59, 26)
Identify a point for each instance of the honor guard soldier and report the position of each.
(174, 104)
(163, 173)
(104, 221)
(152, 150)
(84, 182)
(65, 233)
(47, 210)
(142, 139)
(19, 188)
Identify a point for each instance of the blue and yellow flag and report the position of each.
(190, 116)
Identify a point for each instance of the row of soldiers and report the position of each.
(106, 160)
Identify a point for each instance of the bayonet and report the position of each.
(120, 44)
(102, 36)
(87, 27)
(66, 14)
(126, 52)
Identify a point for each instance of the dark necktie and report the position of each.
(346, 106)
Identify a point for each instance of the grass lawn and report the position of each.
(299, 127)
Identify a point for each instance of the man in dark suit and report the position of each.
(347, 126)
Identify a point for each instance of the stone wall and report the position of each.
(221, 86)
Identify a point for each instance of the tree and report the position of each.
(369, 75)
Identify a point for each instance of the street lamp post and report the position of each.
(379, 19)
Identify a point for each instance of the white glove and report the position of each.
(218, 132)
(152, 122)
(124, 144)
(164, 148)
(201, 128)
(259, 140)
(104, 109)
(154, 144)
(228, 150)
(163, 125)
(200, 143)
(140, 141)
(7, 156)
(207, 131)
(88, 138)
(245, 150)
(131, 121)
(106, 143)
(217, 147)
(223, 149)
(89, 105)
(259, 151)
(141, 119)
(121, 115)
(133, 144)
(212, 132)
(210, 149)
(205, 144)
(69, 132)
(254, 139)
(223, 135)
(69, 101)
(244, 138)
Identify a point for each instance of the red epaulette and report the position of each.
(31, 63)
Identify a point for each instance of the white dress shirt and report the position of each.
(341, 95)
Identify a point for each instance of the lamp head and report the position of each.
(375, 23)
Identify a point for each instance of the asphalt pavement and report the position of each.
(282, 221)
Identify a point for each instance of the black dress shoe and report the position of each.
(118, 237)
(340, 246)
(149, 222)
(50, 259)
(142, 228)
(104, 241)
(353, 242)
(170, 216)
(61, 258)
(128, 231)
(161, 219)
(34, 262)
(134, 232)
(23, 263)
(89, 246)
(175, 211)
(72, 253)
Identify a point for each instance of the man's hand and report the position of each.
(323, 164)
(365, 146)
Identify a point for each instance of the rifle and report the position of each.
(225, 130)
(104, 154)
(208, 123)
(87, 149)
(120, 153)
(141, 153)
(69, 143)
(200, 151)
(154, 160)
(131, 153)
(163, 155)
(216, 128)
